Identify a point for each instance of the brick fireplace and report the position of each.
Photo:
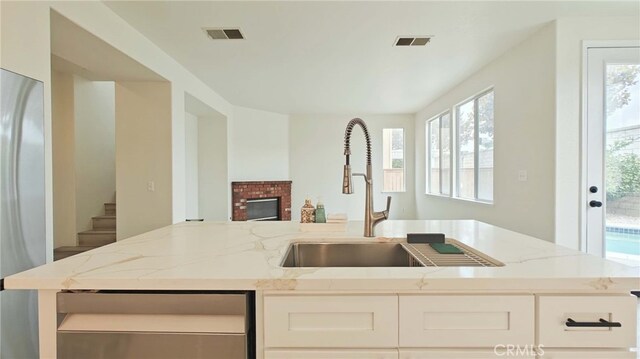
(249, 193)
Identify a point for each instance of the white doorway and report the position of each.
(612, 151)
(206, 175)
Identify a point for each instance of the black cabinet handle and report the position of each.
(599, 324)
(595, 203)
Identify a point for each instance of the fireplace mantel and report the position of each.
(247, 190)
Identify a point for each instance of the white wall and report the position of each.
(191, 165)
(258, 145)
(94, 149)
(143, 132)
(64, 179)
(213, 180)
(317, 160)
(31, 21)
(524, 84)
(570, 35)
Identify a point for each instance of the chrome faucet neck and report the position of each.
(371, 218)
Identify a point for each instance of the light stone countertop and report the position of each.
(247, 256)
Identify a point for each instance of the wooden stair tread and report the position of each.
(99, 231)
(74, 248)
(104, 217)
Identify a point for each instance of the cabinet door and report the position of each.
(555, 311)
(330, 321)
(466, 320)
(332, 354)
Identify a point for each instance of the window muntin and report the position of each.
(393, 158)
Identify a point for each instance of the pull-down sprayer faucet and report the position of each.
(371, 218)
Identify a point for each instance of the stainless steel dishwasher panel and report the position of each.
(155, 325)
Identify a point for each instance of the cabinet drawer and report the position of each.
(554, 311)
(332, 354)
(460, 353)
(587, 354)
(331, 321)
(466, 321)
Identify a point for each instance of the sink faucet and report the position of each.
(371, 218)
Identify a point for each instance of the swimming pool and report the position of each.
(621, 240)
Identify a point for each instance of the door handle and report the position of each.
(601, 323)
(595, 203)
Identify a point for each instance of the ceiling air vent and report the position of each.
(224, 34)
(412, 40)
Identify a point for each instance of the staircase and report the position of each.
(103, 233)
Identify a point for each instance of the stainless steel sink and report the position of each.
(348, 255)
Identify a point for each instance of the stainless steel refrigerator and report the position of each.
(22, 208)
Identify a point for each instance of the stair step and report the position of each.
(104, 222)
(68, 251)
(96, 238)
(110, 209)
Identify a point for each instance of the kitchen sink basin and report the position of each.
(348, 255)
(383, 254)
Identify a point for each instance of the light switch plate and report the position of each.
(522, 175)
(151, 186)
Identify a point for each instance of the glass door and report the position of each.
(613, 153)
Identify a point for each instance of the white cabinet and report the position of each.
(466, 320)
(587, 354)
(330, 321)
(332, 354)
(451, 353)
(555, 311)
(429, 326)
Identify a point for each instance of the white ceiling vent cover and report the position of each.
(410, 40)
(224, 33)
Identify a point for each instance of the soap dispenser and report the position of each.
(320, 214)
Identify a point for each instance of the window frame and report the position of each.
(476, 145)
(404, 160)
(454, 157)
(428, 164)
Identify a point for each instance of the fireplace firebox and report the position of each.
(264, 209)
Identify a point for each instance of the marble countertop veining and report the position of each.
(247, 255)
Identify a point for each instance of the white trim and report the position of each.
(582, 207)
(477, 201)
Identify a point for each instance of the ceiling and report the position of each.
(337, 57)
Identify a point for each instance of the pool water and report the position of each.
(627, 243)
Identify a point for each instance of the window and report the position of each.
(474, 139)
(439, 158)
(473, 156)
(393, 159)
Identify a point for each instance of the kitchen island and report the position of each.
(363, 312)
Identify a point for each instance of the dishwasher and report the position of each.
(156, 324)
